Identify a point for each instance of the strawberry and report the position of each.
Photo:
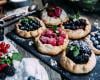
(44, 39)
(60, 41)
(52, 41)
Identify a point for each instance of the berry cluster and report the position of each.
(84, 52)
(29, 24)
(54, 11)
(96, 40)
(55, 38)
(78, 24)
(4, 48)
(6, 71)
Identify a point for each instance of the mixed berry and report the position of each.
(79, 52)
(29, 24)
(53, 37)
(54, 11)
(6, 69)
(95, 38)
(74, 25)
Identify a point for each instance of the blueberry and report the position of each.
(98, 47)
(31, 78)
(98, 37)
(96, 42)
(93, 38)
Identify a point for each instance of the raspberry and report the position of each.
(60, 41)
(0, 54)
(52, 41)
(7, 46)
(63, 34)
(58, 11)
(44, 39)
(2, 66)
(49, 33)
(9, 70)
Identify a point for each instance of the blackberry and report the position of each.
(2, 76)
(83, 56)
(9, 70)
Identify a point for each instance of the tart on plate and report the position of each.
(54, 15)
(78, 58)
(29, 27)
(94, 41)
(77, 28)
(52, 41)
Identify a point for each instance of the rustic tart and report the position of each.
(30, 26)
(78, 58)
(52, 41)
(94, 41)
(77, 28)
(54, 15)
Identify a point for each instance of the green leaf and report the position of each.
(75, 49)
(77, 15)
(16, 56)
(55, 28)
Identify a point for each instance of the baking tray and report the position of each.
(53, 61)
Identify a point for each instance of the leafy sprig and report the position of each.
(75, 50)
(6, 59)
(76, 16)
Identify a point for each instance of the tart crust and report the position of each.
(80, 33)
(49, 49)
(52, 20)
(29, 34)
(72, 67)
(96, 51)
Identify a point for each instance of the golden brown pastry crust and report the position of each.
(54, 21)
(70, 66)
(29, 34)
(80, 33)
(48, 48)
(96, 51)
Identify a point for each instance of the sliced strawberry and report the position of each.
(52, 41)
(44, 39)
(60, 41)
